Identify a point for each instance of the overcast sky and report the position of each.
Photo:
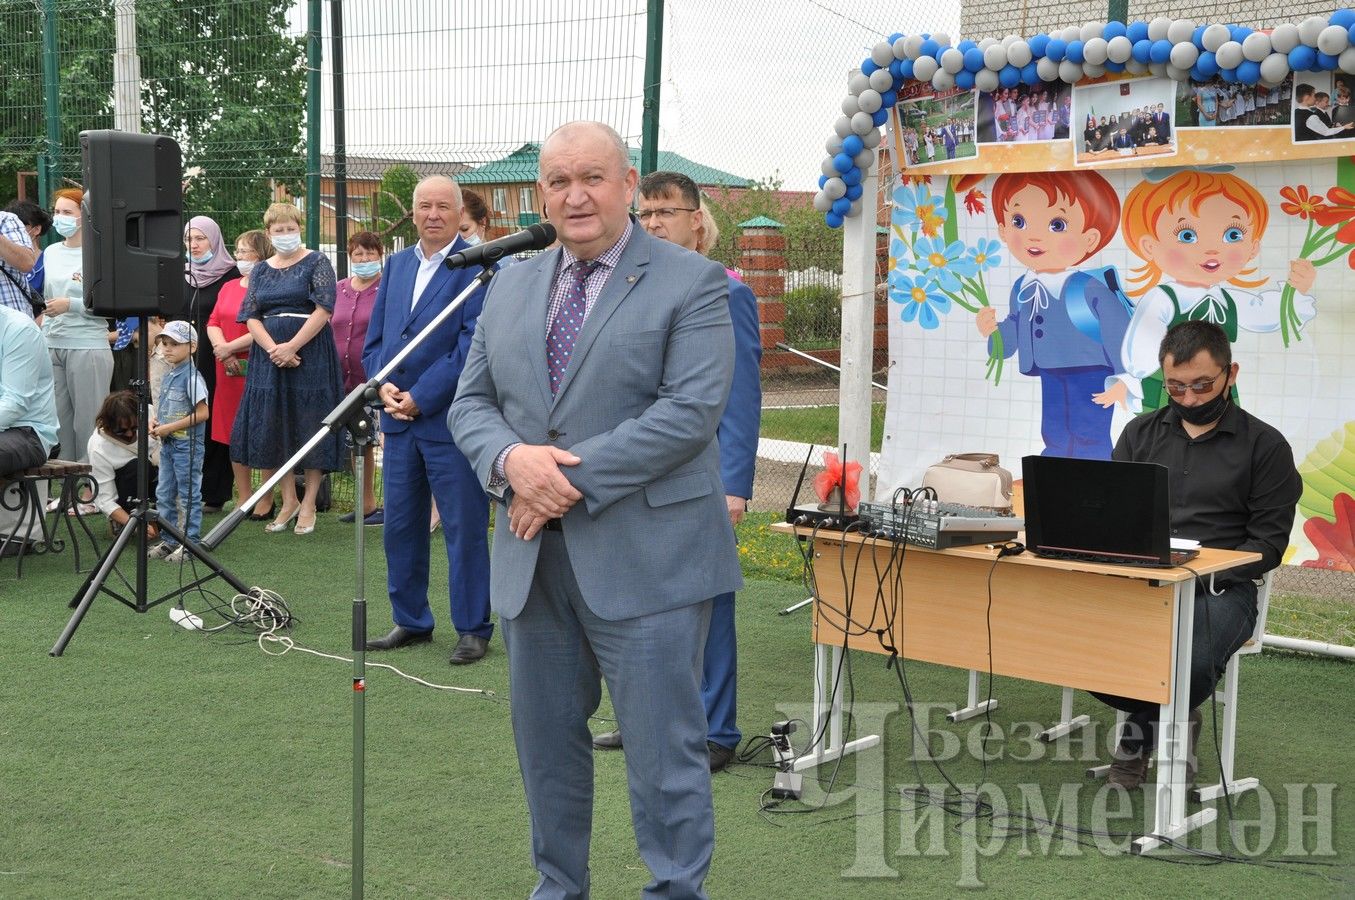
(752, 88)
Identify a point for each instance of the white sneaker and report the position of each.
(54, 504)
(82, 509)
(175, 556)
(159, 551)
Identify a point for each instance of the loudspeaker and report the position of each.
(133, 224)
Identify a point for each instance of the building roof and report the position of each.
(761, 222)
(371, 168)
(523, 165)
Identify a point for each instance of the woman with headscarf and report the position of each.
(210, 265)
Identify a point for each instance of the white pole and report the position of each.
(126, 71)
(858, 329)
(1318, 647)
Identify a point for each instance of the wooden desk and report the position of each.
(1121, 630)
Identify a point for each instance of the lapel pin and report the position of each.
(631, 279)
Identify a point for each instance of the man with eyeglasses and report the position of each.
(1233, 487)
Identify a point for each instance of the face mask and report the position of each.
(65, 225)
(471, 239)
(203, 259)
(245, 266)
(287, 243)
(366, 269)
(1204, 413)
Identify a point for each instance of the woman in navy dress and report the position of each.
(293, 379)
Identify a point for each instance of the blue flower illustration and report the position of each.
(984, 254)
(944, 262)
(916, 208)
(921, 297)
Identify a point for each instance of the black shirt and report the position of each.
(1233, 488)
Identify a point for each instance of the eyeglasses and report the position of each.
(663, 212)
(1176, 389)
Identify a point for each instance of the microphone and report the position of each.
(534, 237)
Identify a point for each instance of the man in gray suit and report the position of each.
(589, 405)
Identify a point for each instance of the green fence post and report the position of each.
(313, 57)
(49, 170)
(649, 127)
(1118, 11)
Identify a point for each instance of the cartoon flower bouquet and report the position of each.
(1330, 235)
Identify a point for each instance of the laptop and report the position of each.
(1098, 510)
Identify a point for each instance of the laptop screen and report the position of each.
(1097, 506)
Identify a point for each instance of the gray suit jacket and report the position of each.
(639, 405)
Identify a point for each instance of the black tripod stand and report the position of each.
(138, 526)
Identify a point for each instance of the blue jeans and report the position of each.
(179, 493)
(1070, 423)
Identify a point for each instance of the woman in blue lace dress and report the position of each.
(293, 378)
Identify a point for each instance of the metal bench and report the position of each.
(34, 533)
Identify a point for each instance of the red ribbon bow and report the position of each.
(832, 476)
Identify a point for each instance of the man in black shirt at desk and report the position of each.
(1233, 487)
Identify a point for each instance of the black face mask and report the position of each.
(1204, 413)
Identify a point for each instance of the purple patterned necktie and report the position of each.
(564, 331)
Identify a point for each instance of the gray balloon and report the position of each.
(833, 146)
(1096, 51)
(857, 83)
(1346, 62)
(1176, 74)
(924, 68)
(942, 39)
(1018, 54)
(827, 166)
(995, 57)
(1180, 30)
(1229, 56)
(1157, 29)
(1119, 49)
(862, 123)
(1010, 39)
(1070, 34)
(901, 48)
(822, 202)
(1184, 55)
(882, 54)
(1283, 38)
(1090, 30)
(1046, 67)
(952, 60)
(942, 80)
(1333, 40)
(843, 126)
(1092, 70)
(1134, 67)
(1275, 68)
(871, 138)
(869, 100)
(1215, 36)
(1070, 71)
(1310, 28)
(912, 46)
(1158, 69)
(881, 80)
(988, 42)
(987, 81)
(855, 210)
(850, 105)
(835, 187)
(1256, 46)
(865, 159)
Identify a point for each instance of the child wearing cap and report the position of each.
(179, 422)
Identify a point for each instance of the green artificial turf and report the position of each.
(149, 761)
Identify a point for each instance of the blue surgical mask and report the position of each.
(286, 243)
(471, 239)
(65, 225)
(203, 259)
(366, 269)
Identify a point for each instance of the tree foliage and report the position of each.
(392, 216)
(810, 243)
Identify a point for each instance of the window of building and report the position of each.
(499, 199)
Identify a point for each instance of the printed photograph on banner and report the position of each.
(935, 126)
(1323, 109)
(1025, 113)
(1124, 119)
(1219, 104)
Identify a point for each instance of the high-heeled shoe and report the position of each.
(279, 525)
(272, 511)
(304, 529)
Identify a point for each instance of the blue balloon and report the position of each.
(1197, 36)
(1343, 17)
(1207, 65)
(964, 80)
(851, 176)
(906, 69)
(896, 69)
(851, 146)
(1113, 66)
(973, 59)
(929, 47)
(842, 206)
(823, 179)
(1114, 30)
(889, 98)
(1142, 51)
(894, 37)
(1249, 72)
(868, 66)
(1303, 58)
(1325, 61)
(1038, 44)
(1228, 74)
(1055, 49)
(854, 192)
(832, 219)
(1161, 51)
(1196, 75)
(843, 163)
(1010, 76)
(1137, 31)
(965, 46)
(881, 116)
(1074, 52)
(1030, 74)
(1239, 32)
(1352, 34)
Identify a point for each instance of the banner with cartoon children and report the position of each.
(1026, 310)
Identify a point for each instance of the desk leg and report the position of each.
(1168, 796)
(1067, 723)
(975, 706)
(827, 715)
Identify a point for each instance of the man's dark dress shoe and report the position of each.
(608, 740)
(468, 650)
(400, 636)
(720, 756)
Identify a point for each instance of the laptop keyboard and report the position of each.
(1178, 557)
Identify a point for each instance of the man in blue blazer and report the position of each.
(670, 208)
(589, 404)
(419, 459)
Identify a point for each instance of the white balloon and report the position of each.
(1019, 55)
(832, 146)
(1134, 67)
(987, 81)
(871, 138)
(943, 80)
(1184, 55)
(843, 126)
(995, 57)
(1095, 50)
(850, 106)
(912, 46)
(1333, 40)
(869, 100)
(865, 159)
(1092, 70)
(1157, 29)
(901, 48)
(1070, 34)
(1346, 61)
(827, 167)
(1275, 68)
(1215, 36)
(1229, 56)
(1047, 69)
(882, 54)
(1180, 31)
(1010, 39)
(1158, 69)
(1283, 38)
(1090, 30)
(857, 83)
(1070, 71)
(1176, 74)
(924, 68)
(822, 202)
(855, 210)
(1119, 49)
(862, 122)
(988, 42)
(942, 39)
(1310, 28)
(952, 60)
(881, 80)
(835, 187)
(1256, 46)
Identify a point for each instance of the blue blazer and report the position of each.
(737, 434)
(1047, 338)
(430, 373)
